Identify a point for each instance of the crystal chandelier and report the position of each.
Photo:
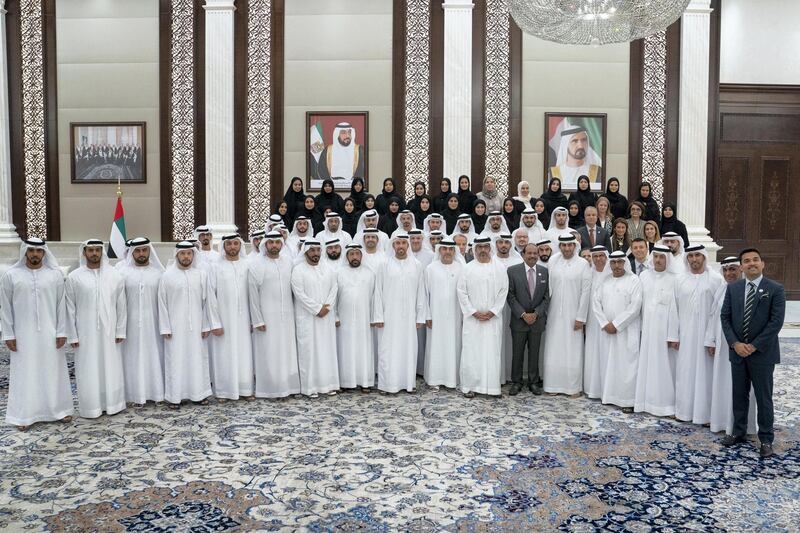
(595, 22)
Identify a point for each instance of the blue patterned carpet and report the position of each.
(425, 462)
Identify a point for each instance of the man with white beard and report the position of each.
(143, 350)
(399, 310)
(272, 315)
(187, 313)
(205, 238)
(369, 221)
(596, 354)
(617, 303)
(465, 227)
(482, 289)
(255, 242)
(674, 242)
(545, 251)
(232, 353)
(443, 351)
(33, 315)
(302, 230)
(315, 290)
(333, 258)
(495, 226)
(570, 298)
(697, 291)
(717, 346)
(529, 222)
(655, 377)
(559, 224)
(508, 257)
(96, 323)
(333, 230)
(354, 343)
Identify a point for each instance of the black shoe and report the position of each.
(766, 450)
(731, 440)
(515, 388)
(536, 389)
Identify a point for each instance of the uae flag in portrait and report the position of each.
(116, 242)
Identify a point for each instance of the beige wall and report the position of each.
(338, 56)
(560, 78)
(107, 56)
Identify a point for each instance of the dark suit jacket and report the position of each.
(600, 237)
(766, 323)
(520, 301)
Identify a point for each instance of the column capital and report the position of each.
(699, 7)
(220, 5)
(457, 4)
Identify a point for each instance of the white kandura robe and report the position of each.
(33, 312)
(570, 300)
(696, 294)
(507, 352)
(354, 345)
(186, 308)
(375, 262)
(314, 286)
(655, 378)
(425, 257)
(482, 287)
(619, 301)
(143, 349)
(400, 306)
(721, 418)
(271, 305)
(536, 233)
(443, 350)
(231, 357)
(96, 317)
(596, 352)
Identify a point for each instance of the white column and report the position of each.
(8, 233)
(219, 115)
(693, 129)
(457, 118)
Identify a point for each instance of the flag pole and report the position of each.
(119, 188)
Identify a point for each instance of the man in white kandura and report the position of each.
(255, 243)
(315, 290)
(570, 299)
(96, 323)
(369, 221)
(530, 223)
(697, 291)
(465, 227)
(207, 252)
(232, 354)
(399, 309)
(674, 242)
(33, 315)
(495, 226)
(302, 230)
(655, 377)
(272, 315)
(559, 225)
(482, 290)
(373, 255)
(333, 259)
(617, 305)
(717, 346)
(143, 349)
(354, 342)
(187, 313)
(444, 319)
(333, 230)
(596, 353)
(420, 252)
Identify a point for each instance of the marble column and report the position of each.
(457, 118)
(8, 232)
(693, 129)
(219, 115)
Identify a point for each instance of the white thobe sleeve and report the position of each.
(333, 293)
(463, 296)
(673, 322)
(164, 326)
(597, 305)
(298, 288)
(377, 296)
(631, 312)
(72, 318)
(422, 306)
(254, 293)
(6, 311)
(586, 295)
(501, 284)
(426, 282)
(122, 310)
(211, 319)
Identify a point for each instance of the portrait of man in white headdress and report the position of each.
(572, 145)
(344, 157)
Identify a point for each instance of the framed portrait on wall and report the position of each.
(574, 146)
(108, 152)
(337, 147)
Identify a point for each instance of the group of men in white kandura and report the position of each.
(299, 315)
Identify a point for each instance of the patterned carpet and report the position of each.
(425, 462)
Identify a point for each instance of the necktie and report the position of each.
(591, 236)
(531, 282)
(749, 304)
(641, 268)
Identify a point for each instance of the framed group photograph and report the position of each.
(575, 145)
(108, 152)
(337, 147)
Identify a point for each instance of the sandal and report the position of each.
(23, 428)
(174, 406)
(67, 419)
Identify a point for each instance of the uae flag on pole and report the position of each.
(116, 242)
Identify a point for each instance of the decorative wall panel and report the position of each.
(774, 191)
(654, 112)
(417, 96)
(497, 94)
(731, 196)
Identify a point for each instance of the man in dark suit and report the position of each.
(752, 316)
(592, 234)
(528, 298)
